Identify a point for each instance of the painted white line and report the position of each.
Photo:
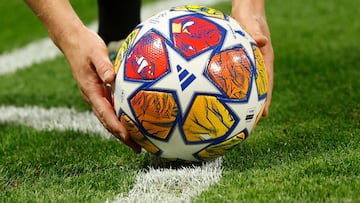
(173, 185)
(53, 119)
(35, 52)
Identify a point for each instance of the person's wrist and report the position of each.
(244, 9)
(67, 36)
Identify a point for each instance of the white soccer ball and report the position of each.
(191, 84)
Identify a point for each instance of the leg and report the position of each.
(117, 18)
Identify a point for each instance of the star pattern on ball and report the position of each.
(183, 71)
(183, 151)
(125, 93)
(245, 111)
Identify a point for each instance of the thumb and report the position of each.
(260, 39)
(258, 34)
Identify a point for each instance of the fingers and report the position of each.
(108, 94)
(88, 57)
(97, 97)
(105, 113)
(260, 39)
(265, 46)
(270, 88)
(251, 15)
(103, 65)
(259, 30)
(268, 55)
(101, 98)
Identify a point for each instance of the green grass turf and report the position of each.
(42, 166)
(307, 150)
(62, 166)
(20, 26)
(52, 81)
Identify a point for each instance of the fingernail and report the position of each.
(108, 94)
(108, 76)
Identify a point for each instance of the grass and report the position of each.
(64, 91)
(307, 150)
(20, 26)
(62, 166)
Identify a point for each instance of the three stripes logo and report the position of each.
(250, 114)
(185, 77)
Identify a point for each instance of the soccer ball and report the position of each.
(190, 85)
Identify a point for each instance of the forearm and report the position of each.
(58, 17)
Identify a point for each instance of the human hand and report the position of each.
(251, 15)
(88, 57)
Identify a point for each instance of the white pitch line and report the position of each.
(53, 119)
(36, 52)
(173, 185)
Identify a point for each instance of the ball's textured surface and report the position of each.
(191, 84)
